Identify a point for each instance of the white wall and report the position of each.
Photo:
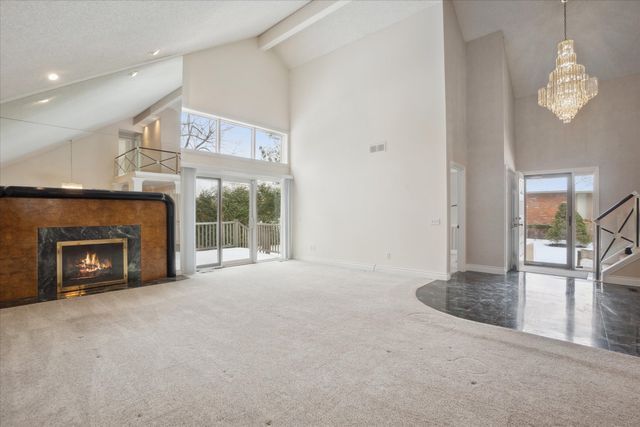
(352, 206)
(456, 85)
(491, 147)
(238, 81)
(170, 128)
(93, 162)
(605, 133)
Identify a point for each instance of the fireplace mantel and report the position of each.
(26, 210)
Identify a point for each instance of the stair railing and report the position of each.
(621, 224)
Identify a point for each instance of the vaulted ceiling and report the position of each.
(34, 123)
(606, 33)
(84, 39)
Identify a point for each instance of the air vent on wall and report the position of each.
(377, 147)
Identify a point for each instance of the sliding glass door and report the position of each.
(268, 201)
(208, 237)
(548, 220)
(237, 221)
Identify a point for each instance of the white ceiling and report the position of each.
(76, 110)
(349, 23)
(606, 33)
(84, 39)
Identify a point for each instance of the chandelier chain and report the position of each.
(564, 3)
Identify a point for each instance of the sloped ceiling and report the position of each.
(348, 24)
(606, 33)
(30, 125)
(85, 39)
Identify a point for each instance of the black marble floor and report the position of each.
(575, 310)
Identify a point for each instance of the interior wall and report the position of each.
(354, 207)
(456, 98)
(93, 162)
(170, 128)
(605, 133)
(151, 135)
(491, 146)
(455, 84)
(164, 132)
(238, 81)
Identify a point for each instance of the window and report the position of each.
(235, 140)
(198, 133)
(215, 135)
(268, 146)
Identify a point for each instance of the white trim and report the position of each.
(462, 217)
(413, 272)
(486, 269)
(622, 280)
(573, 172)
(580, 274)
(635, 256)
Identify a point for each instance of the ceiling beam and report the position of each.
(150, 114)
(298, 21)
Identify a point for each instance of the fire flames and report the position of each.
(91, 264)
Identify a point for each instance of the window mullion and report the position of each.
(253, 143)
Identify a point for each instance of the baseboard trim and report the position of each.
(412, 272)
(485, 269)
(622, 280)
(377, 267)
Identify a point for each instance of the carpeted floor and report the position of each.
(294, 344)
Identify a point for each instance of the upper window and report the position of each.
(216, 135)
(198, 133)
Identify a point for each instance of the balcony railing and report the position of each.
(147, 160)
(617, 233)
(236, 235)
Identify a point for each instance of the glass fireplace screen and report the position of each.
(86, 264)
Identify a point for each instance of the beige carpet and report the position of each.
(294, 344)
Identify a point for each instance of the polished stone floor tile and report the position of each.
(575, 310)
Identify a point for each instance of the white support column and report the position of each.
(188, 221)
(253, 219)
(285, 219)
(136, 184)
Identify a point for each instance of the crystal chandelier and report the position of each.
(569, 87)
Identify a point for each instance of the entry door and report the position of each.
(548, 220)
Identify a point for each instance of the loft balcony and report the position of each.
(144, 159)
(147, 169)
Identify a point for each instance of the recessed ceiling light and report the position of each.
(133, 73)
(155, 52)
(53, 77)
(44, 101)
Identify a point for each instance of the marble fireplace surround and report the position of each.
(48, 238)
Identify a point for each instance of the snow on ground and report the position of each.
(543, 252)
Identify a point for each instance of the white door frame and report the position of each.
(462, 234)
(593, 170)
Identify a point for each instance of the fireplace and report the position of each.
(84, 264)
(75, 261)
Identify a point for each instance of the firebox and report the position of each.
(84, 264)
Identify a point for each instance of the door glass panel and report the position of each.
(207, 239)
(547, 205)
(268, 226)
(235, 221)
(584, 217)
